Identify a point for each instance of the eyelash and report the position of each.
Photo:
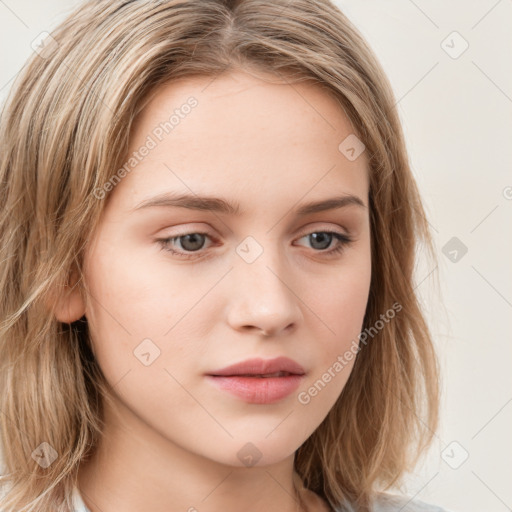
(344, 241)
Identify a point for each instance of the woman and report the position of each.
(209, 231)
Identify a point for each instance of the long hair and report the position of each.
(64, 131)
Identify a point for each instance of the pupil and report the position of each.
(192, 242)
(322, 238)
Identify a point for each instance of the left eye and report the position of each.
(322, 239)
(192, 243)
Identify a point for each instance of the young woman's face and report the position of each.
(181, 287)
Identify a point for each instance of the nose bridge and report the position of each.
(261, 296)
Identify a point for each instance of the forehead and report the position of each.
(245, 107)
(248, 132)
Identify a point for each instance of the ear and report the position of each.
(69, 304)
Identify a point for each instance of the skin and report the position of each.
(171, 442)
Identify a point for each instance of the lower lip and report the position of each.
(258, 390)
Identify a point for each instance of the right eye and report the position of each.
(190, 243)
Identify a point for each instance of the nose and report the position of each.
(262, 298)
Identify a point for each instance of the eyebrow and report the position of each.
(219, 205)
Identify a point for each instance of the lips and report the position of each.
(262, 368)
(266, 375)
(259, 381)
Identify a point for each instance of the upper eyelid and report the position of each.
(322, 230)
(302, 232)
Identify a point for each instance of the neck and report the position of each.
(135, 468)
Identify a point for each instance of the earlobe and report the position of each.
(70, 305)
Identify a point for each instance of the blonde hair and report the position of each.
(64, 131)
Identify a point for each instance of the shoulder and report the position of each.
(387, 502)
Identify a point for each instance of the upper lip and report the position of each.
(261, 367)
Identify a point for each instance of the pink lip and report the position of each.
(261, 366)
(259, 390)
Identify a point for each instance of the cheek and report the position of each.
(132, 292)
(132, 301)
(340, 301)
(341, 308)
(349, 307)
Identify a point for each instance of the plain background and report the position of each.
(456, 109)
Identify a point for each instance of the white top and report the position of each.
(384, 502)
